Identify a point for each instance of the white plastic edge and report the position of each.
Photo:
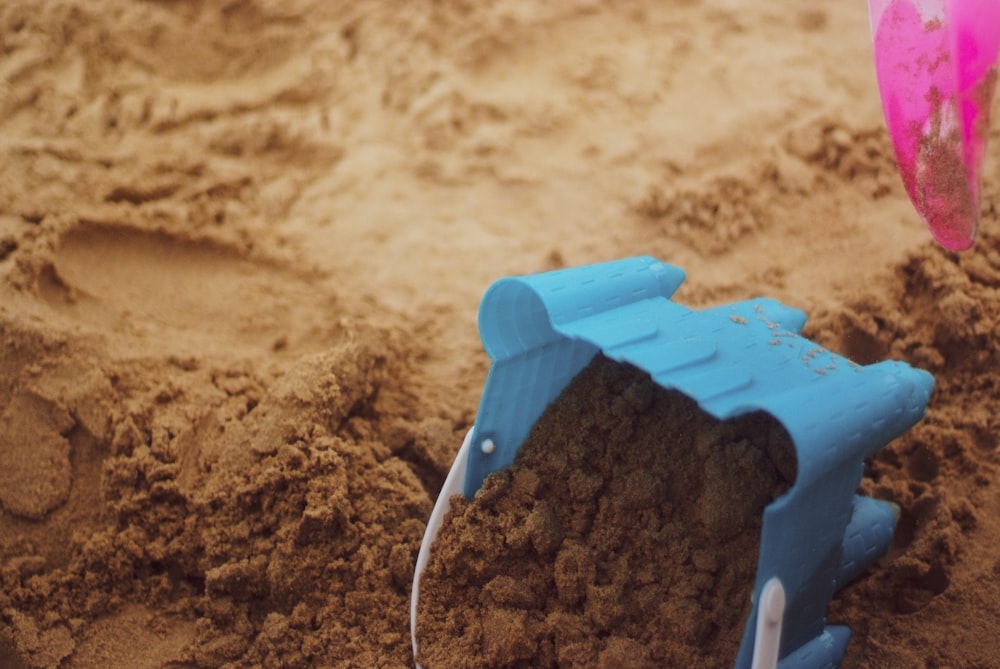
(454, 484)
(767, 636)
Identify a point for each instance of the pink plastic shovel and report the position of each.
(936, 63)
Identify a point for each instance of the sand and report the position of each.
(624, 534)
(242, 246)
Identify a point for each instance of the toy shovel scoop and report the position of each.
(936, 63)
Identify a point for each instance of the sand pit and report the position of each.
(242, 246)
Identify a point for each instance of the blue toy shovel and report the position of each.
(541, 330)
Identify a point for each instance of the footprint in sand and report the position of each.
(174, 295)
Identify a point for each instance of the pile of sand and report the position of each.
(625, 534)
(242, 245)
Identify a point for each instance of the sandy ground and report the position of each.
(242, 246)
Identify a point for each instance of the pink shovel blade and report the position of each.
(936, 65)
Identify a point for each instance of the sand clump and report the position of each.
(625, 534)
(229, 518)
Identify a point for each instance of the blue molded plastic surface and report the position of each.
(541, 330)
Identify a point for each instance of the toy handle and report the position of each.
(935, 61)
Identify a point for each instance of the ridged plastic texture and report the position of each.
(541, 330)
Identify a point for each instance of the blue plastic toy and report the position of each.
(541, 330)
